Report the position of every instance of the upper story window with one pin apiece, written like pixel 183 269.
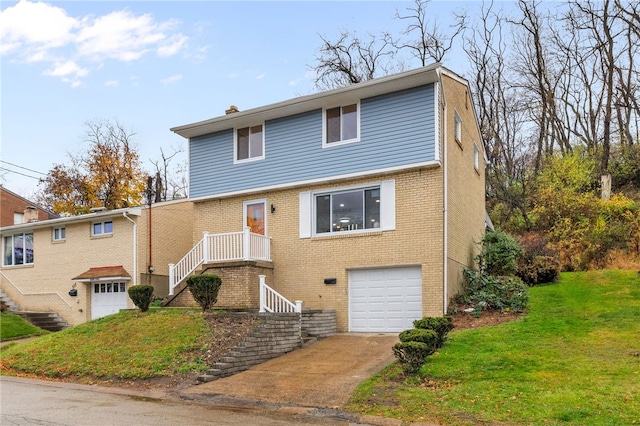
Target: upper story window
pixel 249 143
pixel 341 124
pixel 17 249
pixel 59 234
pixel 18 218
pixel 458 127
pixel 102 228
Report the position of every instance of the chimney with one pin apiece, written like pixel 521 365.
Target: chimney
pixel 231 110
pixel 30 214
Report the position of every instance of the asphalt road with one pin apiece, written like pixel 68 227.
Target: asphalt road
pixel 35 402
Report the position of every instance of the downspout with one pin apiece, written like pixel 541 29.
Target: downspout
pixel 445 200
pixel 135 247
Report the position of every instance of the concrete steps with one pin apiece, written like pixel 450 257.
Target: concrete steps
pixel 50 321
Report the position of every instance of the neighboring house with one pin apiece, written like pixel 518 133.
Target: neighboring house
pixel 367 199
pixel 82 266
pixel 15 209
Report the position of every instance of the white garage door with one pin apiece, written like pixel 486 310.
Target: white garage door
pixel 384 300
pixel 108 298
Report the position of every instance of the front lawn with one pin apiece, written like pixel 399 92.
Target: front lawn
pixel 129 345
pixel 13 326
pixel 573 360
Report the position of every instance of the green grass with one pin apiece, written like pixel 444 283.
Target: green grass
pixel 13 326
pixel 128 345
pixel 573 360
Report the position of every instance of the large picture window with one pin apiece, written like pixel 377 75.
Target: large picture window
pixel 342 124
pixel 249 143
pixel 17 249
pixel 354 210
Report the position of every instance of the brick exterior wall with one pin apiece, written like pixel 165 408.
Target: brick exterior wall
pixel 300 265
pixel 466 185
pixel 11 203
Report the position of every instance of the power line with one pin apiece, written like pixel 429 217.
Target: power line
pixel 24 168
pixel 18 173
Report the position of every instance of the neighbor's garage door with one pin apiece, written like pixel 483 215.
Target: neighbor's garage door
pixel 384 300
pixel 108 298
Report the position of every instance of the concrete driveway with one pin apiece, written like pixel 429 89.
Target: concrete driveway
pixel 323 374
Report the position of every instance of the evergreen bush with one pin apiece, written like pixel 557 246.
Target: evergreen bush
pixel 440 325
pixel 204 289
pixel 413 354
pixel 141 295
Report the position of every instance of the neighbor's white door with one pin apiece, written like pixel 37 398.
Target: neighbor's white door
pixel 108 298
pixel 384 300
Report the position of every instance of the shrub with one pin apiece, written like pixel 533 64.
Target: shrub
pixel 413 354
pixel 204 289
pixel 541 269
pixel 499 254
pixel 490 292
pixel 440 325
pixel 141 295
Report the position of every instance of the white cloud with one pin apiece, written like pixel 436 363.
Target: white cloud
pixel 34 31
pixel 260 76
pixel 171 79
pixel 112 83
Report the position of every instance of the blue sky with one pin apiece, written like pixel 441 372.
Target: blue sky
pixel 153 65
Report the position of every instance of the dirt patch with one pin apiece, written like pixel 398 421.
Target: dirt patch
pixel 466 320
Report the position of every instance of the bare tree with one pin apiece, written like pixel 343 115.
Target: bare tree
pixel 427 41
pixel 170 182
pixel 351 60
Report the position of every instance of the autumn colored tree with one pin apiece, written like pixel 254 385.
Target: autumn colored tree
pixel 108 174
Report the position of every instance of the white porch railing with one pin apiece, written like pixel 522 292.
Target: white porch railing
pixel 272 301
pixel 244 245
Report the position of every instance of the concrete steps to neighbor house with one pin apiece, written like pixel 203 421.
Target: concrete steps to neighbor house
pixel 50 321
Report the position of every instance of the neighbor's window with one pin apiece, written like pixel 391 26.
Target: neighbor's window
pixel 352 210
pixel 59 234
pixel 458 127
pixel 249 143
pixel 102 228
pixel 17 249
pixel 341 124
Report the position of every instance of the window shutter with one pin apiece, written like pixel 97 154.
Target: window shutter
pixel 305 214
pixel 388 207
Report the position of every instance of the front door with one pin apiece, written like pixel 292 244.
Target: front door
pixel 255 216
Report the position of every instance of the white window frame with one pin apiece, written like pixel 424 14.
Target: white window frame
pixel 59 233
pixel 13 245
pixel 325 143
pixel 248 203
pixel 102 231
pixel 457 131
pixel 307 213
pixel 235 145
pixel 18 218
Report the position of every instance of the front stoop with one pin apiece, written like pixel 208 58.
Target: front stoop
pixel 50 321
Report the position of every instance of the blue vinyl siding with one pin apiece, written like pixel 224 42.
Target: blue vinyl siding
pixel 396 129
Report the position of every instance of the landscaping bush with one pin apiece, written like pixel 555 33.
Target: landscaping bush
pixel 539 270
pixel 488 292
pixel 440 325
pixel 141 295
pixel 500 253
pixel 204 289
pixel 413 354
